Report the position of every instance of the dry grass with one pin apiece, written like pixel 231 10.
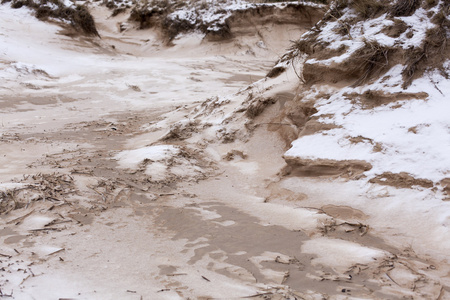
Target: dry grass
pixel 395 30
pixel 404 8
pixel 367 8
pixel 155 14
pixel 257 106
pixel 40 187
pixel 364 8
pixel 430 3
pixel 276 1
pixel 173 27
pixel 158 14
pixel 118 11
pixel 147 17
pixel 275 72
pixel 432 53
pixel 372 59
pixel 79 16
pixel 307 44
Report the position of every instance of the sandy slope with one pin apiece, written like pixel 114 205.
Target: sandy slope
pixel 200 218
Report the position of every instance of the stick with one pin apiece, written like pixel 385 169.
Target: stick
pixel 58 222
pixel 177 274
pixel 43 229
pixel 54 252
pixel 24 279
pixel 391 279
pixel 258 295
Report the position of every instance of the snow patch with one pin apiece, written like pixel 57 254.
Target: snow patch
pixel 339 254
pixel 131 159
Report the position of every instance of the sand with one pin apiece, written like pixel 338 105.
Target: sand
pixel 212 219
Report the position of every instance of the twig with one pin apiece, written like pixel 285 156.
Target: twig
pixel 285 277
pixel 391 279
pixel 177 274
pixel 57 251
pixel 58 222
pixel 259 295
pixel 23 280
pixel 54 199
pixel 269 123
pixel 206 278
pixel 298 75
pixel 103 196
pixel 5 255
pixel 43 229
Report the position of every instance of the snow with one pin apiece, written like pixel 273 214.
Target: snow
pixel 131 159
pixel 414 137
pixel 407 217
pixel 214 15
pixel 419 24
pixel 421 152
pixel 339 254
pixel 411 136
pixel 370 31
pixel 4 187
pixel 36 222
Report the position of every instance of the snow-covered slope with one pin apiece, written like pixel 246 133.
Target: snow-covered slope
pixel 378 79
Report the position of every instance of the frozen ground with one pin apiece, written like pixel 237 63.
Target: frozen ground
pixel 127 174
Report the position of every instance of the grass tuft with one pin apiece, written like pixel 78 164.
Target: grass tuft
pixel 257 106
pixel 403 8
pixel 79 16
pixel 373 58
pixel 431 54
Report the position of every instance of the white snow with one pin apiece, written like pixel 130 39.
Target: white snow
pixel 4 187
pixel 131 159
pixel 36 222
pixel 417 218
pixel 415 137
pixel 420 152
pixel 214 15
pixel 339 254
pixel 411 136
pixel 419 24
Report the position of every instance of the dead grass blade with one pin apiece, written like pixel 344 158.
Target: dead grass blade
pixel 404 8
pixel 374 58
